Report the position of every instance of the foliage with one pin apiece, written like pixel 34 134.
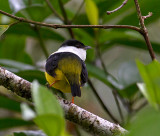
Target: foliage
pixel 92 12
pixel 21 53
pixel 49 115
pixel 145 123
pixel 151 77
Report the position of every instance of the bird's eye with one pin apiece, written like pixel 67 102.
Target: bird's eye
pixel 78 45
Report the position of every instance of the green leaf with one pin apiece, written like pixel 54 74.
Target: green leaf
pixel 129 42
pixel 17 5
pixel 123 90
pixel 145 123
pixel 142 88
pixel 11 48
pixel 151 77
pixel 56 6
pixel 6 104
pixel 5 6
pixel 92 12
pixel 50 116
pixel 28 30
pixel 129 91
pixel 100 75
pixel 105 5
pixel 81 19
pixel 31 75
pixel 26 8
pixel 52 125
pixel 3 28
pixel 16 65
pixel 12 122
pixel 116 17
pixel 29 133
pixel 45 101
pixel 82 35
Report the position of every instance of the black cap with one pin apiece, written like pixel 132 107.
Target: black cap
pixel 75 43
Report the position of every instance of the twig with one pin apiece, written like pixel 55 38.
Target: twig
pixel 79 9
pixel 14 23
pixel 41 42
pixel 147 16
pixel 124 3
pixel 53 10
pixel 141 106
pixel 114 92
pixel 87 120
pixel 66 21
pixel 144 30
pixel 118 104
pixel 56 26
pixel 101 102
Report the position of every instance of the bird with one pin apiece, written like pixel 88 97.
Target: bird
pixel 65 69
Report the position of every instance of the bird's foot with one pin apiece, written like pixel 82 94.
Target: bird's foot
pixel 73 100
pixel 52 84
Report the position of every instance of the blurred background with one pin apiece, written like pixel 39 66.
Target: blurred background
pixel 113 73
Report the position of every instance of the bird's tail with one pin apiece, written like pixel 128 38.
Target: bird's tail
pixel 75 89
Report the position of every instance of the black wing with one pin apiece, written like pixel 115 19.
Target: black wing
pixel 52 64
pixel 84 74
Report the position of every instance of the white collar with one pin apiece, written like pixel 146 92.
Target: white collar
pixel 79 52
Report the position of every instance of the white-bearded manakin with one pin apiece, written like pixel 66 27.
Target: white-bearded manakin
pixel 65 69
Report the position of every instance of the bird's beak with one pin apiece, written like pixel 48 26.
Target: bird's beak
pixel 87 47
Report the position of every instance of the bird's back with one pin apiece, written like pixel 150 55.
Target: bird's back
pixel 65 68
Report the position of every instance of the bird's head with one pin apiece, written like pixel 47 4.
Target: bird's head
pixel 74 46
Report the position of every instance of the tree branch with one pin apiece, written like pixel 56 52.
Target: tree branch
pixel 124 3
pixel 147 16
pixel 87 120
pixel 56 26
pixel 144 29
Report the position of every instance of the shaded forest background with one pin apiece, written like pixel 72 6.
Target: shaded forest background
pixel 112 92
